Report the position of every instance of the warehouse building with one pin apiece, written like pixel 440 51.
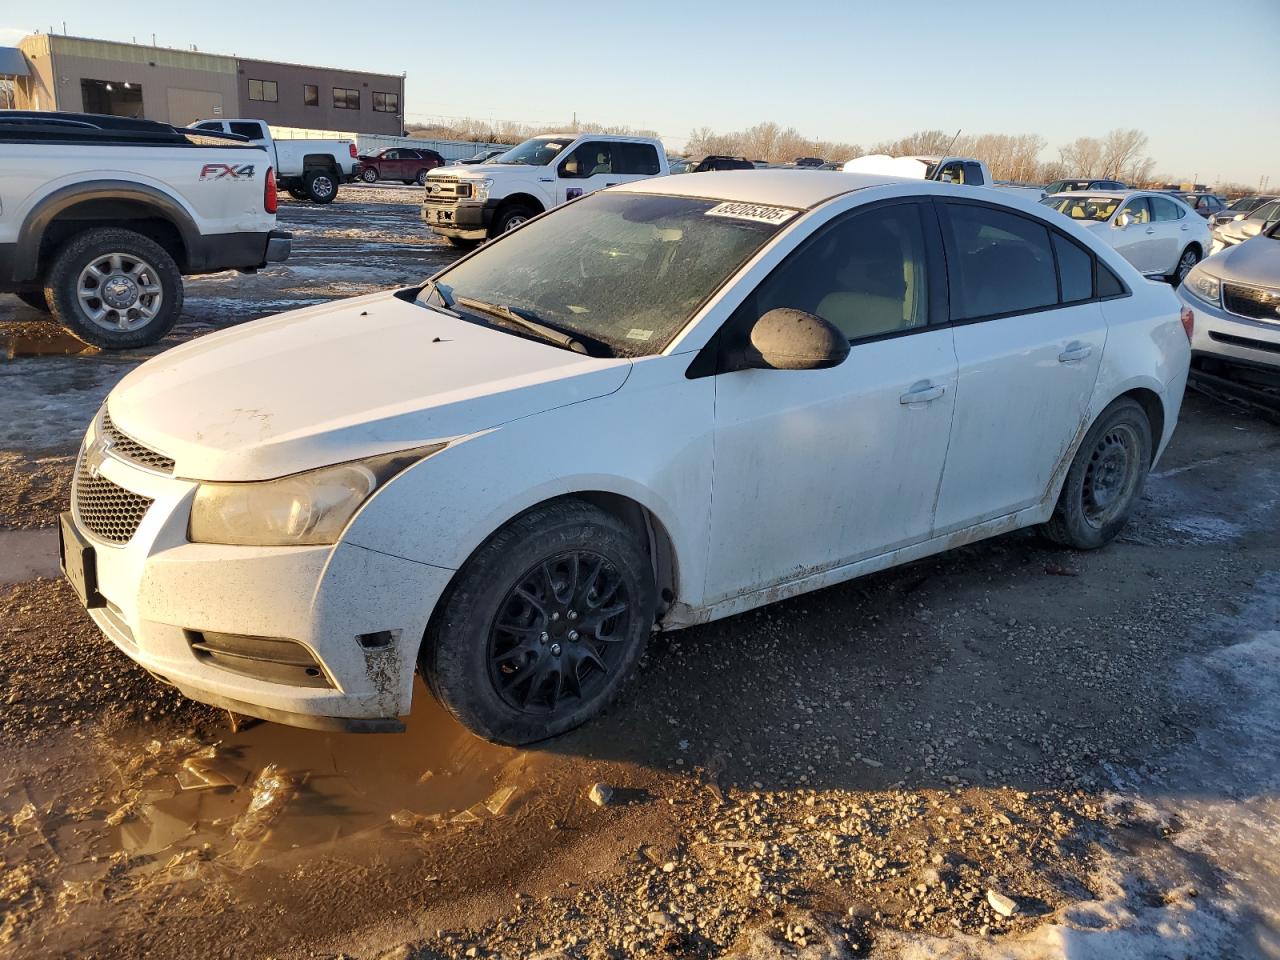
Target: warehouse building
pixel 55 72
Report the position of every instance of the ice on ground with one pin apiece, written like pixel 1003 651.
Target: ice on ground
pixel 47 401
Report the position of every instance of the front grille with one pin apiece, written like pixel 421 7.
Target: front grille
pixel 109 512
pixel 1253 302
pixel 127 448
pixel 446 189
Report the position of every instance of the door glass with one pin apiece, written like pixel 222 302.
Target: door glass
pixel 640 159
pixel 1162 208
pixel 973 175
pixel 866 274
pixel 250 130
pixel 1138 209
pixel 588 159
pixel 998 263
pixel 1075 267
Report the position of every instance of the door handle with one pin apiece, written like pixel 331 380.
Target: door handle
pixel 1185 227
pixel 922 392
pixel 614 184
pixel 1151 229
pixel 1074 351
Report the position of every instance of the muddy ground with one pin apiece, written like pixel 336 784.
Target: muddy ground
pixel 1088 743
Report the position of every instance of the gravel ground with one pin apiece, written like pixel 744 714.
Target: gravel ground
pixel 1009 750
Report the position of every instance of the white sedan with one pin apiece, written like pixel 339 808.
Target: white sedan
pixel 1156 232
pixel 659 405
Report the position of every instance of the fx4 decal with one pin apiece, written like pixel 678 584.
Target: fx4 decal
pixel 221 171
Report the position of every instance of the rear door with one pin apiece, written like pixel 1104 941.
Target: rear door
pixel 1029 335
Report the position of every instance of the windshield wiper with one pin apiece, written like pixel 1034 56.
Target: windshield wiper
pixel 532 325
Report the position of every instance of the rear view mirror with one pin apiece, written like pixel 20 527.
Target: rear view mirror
pixel 786 339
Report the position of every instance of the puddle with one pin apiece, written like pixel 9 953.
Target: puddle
pixel 271 789
pixel 27 554
pixel 56 342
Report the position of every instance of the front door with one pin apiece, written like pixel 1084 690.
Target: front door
pixel 588 167
pixel 1136 242
pixel 816 469
pixel 1028 359
pixel 1172 233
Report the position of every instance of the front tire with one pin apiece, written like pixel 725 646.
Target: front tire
pixel 321 186
pixel 369 175
pixel 1105 479
pixel 421 178
pixel 114 289
pixel 511 217
pixel 542 625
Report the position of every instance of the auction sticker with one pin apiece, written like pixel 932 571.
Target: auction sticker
pixel 752 211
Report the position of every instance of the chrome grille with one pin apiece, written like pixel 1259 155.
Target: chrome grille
pixel 1254 302
pixel 109 512
pixel 445 189
pixel 127 448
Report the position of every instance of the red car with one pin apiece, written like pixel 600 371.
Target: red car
pixel 398 163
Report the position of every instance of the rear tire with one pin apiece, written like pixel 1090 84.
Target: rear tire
pixel 114 289
pixel 321 186
pixel 542 625
pixel 1189 258
pixel 1105 480
pixel 35 299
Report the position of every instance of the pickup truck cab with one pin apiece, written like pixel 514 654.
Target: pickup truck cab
pixel 307 169
pixel 471 205
pixel 101 218
pixel 968 171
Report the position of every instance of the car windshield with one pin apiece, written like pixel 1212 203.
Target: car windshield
pixel 535 152
pixel 1244 204
pixel 624 270
pixel 1265 212
pixel 1083 208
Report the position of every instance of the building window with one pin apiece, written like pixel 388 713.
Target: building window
pixel 262 90
pixel 345 99
pixel 114 98
pixel 310 95
pixel 386 102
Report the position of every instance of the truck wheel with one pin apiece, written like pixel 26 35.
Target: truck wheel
pixel 464 243
pixel 542 626
pixel 321 186
pixel 421 178
pixel 35 299
pixel 511 217
pixel 114 289
pixel 369 175
pixel 1105 479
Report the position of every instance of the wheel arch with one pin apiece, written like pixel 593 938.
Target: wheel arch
pixel 527 199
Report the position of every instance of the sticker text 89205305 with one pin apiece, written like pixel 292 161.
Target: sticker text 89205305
pixel 752 211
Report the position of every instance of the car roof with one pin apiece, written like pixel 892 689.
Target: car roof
pixel 795 187
pixel 1104 194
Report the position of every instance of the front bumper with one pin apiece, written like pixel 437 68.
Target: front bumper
pixel 160 591
pixel 466 219
pixel 1228 337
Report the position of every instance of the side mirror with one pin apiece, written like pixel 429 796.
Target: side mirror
pixel 786 339
pixel 1124 219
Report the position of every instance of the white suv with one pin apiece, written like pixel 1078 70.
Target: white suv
pixel 504 477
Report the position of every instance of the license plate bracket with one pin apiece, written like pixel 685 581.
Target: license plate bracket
pixel 79 562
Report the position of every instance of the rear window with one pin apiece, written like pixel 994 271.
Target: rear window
pixel 999 263
pixel 1075 267
pixel 635 158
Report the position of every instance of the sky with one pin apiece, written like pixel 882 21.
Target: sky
pixel 851 71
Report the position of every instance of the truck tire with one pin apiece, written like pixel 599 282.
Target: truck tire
pixel 321 185
pixel 35 299
pixel 114 288
pixel 510 217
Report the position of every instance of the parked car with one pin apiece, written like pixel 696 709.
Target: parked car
pixel 967 171
pixel 103 216
pixel 471 205
pixel 307 169
pixel 1235 296
pixel 678 165
pixel 1240 208
pixel 1250 225
pixel 484 156
pixel 1082 183
pixel 720 162
pixel 398 163
pixel 513 488
pixel 1154 231
pixel 1205 204
pixel 810 162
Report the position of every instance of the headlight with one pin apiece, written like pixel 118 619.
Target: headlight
pixel 480 189
pixel 1203 286
pixel 306 508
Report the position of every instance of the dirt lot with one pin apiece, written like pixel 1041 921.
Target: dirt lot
pixel 1088 743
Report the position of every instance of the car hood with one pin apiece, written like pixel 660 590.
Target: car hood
pixel 1255 261
pixel 482 171
pixel 342 381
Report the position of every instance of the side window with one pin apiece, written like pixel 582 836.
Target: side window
pixel 866 274
pixel 1075 268
pixel 954 171
pixel 1139 209
pixel 635 158
pixel 210 125
pixel 973 175
pixel 392 155
pixel 1108 284
pixel 310 95
pixel 998 263
pixel 589 159
pixel 250 130
pixel 1162 208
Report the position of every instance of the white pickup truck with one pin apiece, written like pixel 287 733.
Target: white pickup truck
pixel 307 169
pixel 965 170
pixel 101 217
pixel 471 204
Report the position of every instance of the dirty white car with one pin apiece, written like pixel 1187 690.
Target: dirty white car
pixel 658 405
